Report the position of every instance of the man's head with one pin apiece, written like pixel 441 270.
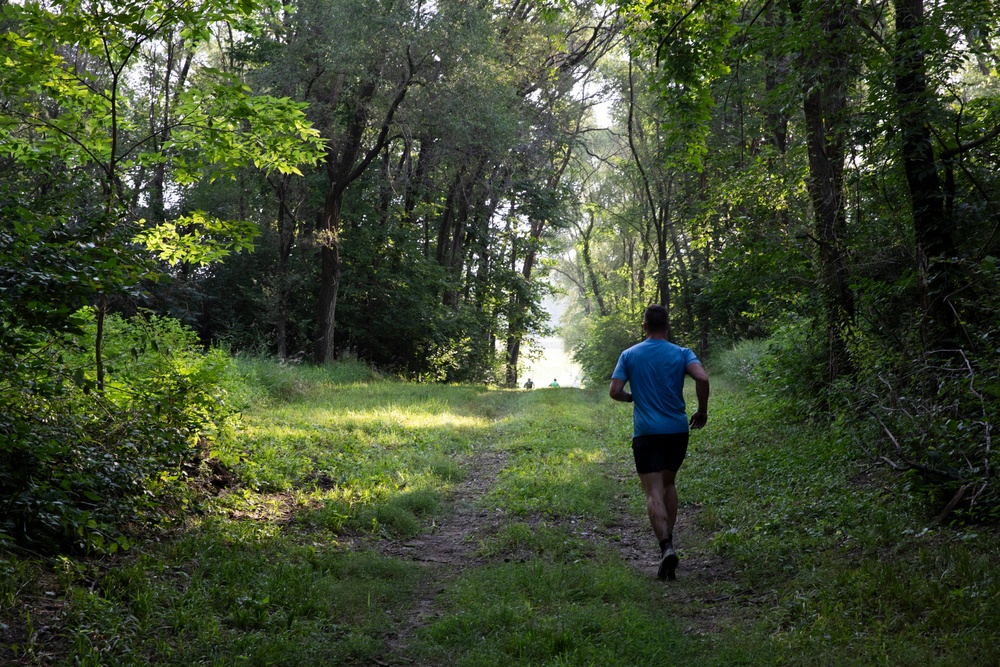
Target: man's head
pixel 655 320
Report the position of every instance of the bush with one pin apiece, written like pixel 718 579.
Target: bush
pixel 81 468
pixel 745 362
pixel 927 395
pixel 788 366
pixel 602 342
pixel 934 414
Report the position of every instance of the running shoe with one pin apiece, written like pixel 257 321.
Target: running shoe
pixel 668 564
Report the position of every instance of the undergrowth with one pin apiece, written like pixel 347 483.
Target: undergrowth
pixel 797 547
pixel 85 468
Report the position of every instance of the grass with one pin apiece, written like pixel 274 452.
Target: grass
pixel 558 453
pixel 221 597
pixel 798 550
pixel 594 612
pixel 851 568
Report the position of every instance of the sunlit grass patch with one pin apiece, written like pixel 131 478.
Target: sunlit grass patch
pixel 395 428
pixel 567 483
pixel 365 450
pixel 558 467
pixel 401 515
pixel 283 442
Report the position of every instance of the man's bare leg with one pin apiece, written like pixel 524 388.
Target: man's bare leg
pixel 670 501
pixel 661 506
pixel 661 501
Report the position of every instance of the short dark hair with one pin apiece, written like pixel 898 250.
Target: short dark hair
pixel 656 319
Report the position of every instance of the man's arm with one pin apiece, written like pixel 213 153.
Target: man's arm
pixel 618 391
pixel 697 371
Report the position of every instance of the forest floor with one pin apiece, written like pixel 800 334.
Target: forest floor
pixel 387 523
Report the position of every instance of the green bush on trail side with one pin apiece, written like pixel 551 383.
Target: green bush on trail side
pixel 599 341
pixel 786 366
pixel 934 415
pixel 80 468
pixel 929 414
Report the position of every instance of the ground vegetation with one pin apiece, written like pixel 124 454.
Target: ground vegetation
pixel 364 520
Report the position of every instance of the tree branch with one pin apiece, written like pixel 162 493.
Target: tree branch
pixel 387 123
pixel 963 148
pixel 663 40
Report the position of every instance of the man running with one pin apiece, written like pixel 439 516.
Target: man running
pixel 655 370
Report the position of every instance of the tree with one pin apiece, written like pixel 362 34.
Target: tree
pixel 826 38
pixel 73 109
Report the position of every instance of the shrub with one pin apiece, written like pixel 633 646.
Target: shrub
pixel 81 468
pixel 603 340
pixel 787 366
pixel 745 362
pixel 927 394
pixel 934 414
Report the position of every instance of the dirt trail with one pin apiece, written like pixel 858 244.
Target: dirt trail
pixel 450 546
pixel 449 540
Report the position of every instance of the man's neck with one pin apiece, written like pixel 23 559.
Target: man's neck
pixel 656 336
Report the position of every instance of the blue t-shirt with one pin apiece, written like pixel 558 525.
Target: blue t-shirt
pixel 655 371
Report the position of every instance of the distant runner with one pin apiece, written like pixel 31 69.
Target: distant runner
pixel 655 370
pixel 529 384
pixel 553 383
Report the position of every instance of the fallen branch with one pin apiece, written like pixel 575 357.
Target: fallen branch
pixel 957 498
pixel 911 464
pixel 895 466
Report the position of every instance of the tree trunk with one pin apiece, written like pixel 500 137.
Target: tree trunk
pixel 660 217
pixel 643 263
pixel 824 102
pixel 326 318
pixel 683 277
pixel 286 235
pixel 932 226
pixel 589 267
pixel 343 168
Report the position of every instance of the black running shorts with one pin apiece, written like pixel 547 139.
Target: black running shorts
pixel 654 453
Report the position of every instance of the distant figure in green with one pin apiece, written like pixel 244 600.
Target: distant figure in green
pixel 655 370
pixel 529 384
pixel 553 383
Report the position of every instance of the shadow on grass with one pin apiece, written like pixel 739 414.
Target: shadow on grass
pixel 231 593
pixel 545 613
